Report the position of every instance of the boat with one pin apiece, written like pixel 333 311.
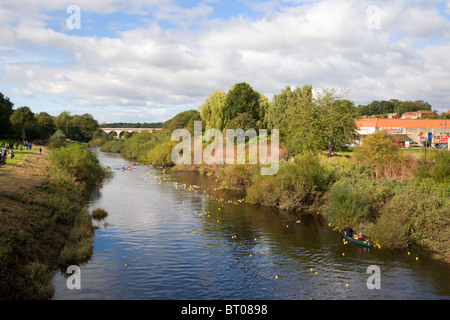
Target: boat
pixel 366 244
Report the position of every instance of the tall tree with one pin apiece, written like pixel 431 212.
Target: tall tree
pixel 22 119
pixel 240 99
pixel 212 111
pixel 87 126
pixel 63 122
pixel 6 110
pixel 317 122
pixel 45 125
pixel 285 105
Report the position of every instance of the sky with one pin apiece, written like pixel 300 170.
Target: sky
pixel 147 60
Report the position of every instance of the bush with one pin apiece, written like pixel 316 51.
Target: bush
pixel 57 140
pixel 138 145
pixel 239 176
pixel 99 214
pixel 114 146
pixel 161 154
pixel 297 184
pixel 379 153
pixel 441 169
pixel 389 232
pixel 78 162
pixel 348 203
pixel 418 211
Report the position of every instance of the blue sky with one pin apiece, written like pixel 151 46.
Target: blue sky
pixel 147 60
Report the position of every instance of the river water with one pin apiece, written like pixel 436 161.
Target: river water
pixel 175 236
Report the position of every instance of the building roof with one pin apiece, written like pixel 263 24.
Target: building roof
pixel 403 123
pixel 425 111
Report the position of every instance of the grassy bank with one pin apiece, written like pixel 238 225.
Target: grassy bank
pixel 44 223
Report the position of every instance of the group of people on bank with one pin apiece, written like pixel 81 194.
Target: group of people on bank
pixel 8 150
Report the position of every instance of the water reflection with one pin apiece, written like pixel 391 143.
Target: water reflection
pixel 182 239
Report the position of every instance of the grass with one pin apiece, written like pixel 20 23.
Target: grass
pixel 18 157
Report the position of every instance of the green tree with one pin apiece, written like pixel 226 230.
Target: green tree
pixel 377 149
pixel 6 110
pixel 70 125
pixel 63 123
pixel 86 124
pixel 286 104
pixel 212 111
pixel 339 118
pixel 242 98
pixel 311 124
pixel 45 125
pixel 242 121
pixel 182 120
pixel 22 119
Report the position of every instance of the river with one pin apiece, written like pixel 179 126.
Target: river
pixel 176 237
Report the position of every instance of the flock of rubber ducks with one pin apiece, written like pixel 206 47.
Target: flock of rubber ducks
pixel 166 178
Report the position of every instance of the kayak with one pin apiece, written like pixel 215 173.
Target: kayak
pixel 356 241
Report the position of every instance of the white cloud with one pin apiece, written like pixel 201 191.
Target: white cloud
pixel 151 68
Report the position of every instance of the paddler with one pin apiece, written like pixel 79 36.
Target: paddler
pixel 348 231
pixel 361 236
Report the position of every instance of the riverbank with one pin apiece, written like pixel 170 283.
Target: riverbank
pixel 44 224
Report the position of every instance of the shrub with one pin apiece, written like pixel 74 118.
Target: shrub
pixel 161 154
pixel 137 146
pixel 418 212
pixel 262 191
pixel 57 140
pixel 113 146
pixel 99 214
pixel 78 162
pixel 296 185
pixel 389 232
pixel 381 156
pixel 238 177
pixel 441 169
pixel 348 204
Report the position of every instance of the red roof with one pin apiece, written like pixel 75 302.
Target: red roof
pixel 403 123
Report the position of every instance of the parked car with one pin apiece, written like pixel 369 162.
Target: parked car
pixel 400 143
pixel 413 144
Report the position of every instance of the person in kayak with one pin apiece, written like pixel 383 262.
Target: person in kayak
pixel 361 236
pixel 348 231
